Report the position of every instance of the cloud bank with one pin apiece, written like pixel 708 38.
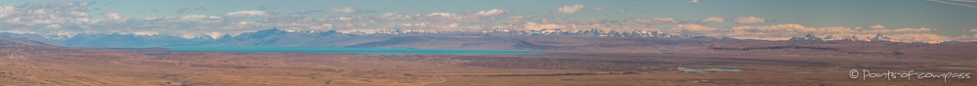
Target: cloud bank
pixel 348 10
pixel 877 27
pixel 713 19
pixel 749 20
pixel 570 9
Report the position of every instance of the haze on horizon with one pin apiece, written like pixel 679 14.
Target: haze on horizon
pixel 915 20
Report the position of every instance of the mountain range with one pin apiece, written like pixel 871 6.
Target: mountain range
pixel 382 38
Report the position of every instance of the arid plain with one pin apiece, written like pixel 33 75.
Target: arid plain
pixel 564 61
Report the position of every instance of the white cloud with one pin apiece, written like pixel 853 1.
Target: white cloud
pixel 445 21
pixel 112 16
pixel 570 8
pixel 442 26
pixel 653 21
pixel 597 8
pixel 749 20
pixel 7 11
pixel 694 1
pixel 785 31
pixel 693 29
pixel 202 18
pixel 517 19
pixel 973 30
pixel 900 30
pixel 441 14
pixel 348 10
pixel 395 16
pixel 44 14
pixel 343 10
pixel 69 18
pixel 78 14
pixel 492 12
pixel 877 27
pixel 485 16
pixel 791 29
pixel 622 10
pixel 714 19
pixel 53 26
pixel 796 29
pixel 585 24
pixel 246 13
pixel 926 38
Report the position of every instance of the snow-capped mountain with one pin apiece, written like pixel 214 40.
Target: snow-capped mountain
pixel 281 37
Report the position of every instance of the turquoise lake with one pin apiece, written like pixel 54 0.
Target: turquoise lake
pixel 258 49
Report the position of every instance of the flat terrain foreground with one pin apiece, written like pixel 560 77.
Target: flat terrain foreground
pixel 720 64
pixel 228 69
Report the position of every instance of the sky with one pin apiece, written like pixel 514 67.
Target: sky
pixel 917 20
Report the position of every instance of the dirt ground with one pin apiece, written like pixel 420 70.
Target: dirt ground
pixel 776 64
pixel 306 69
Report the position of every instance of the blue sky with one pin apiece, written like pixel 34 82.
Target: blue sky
pixel 949 18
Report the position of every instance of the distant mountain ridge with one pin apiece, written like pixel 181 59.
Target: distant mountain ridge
pixel 7 42
pixel 280 37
